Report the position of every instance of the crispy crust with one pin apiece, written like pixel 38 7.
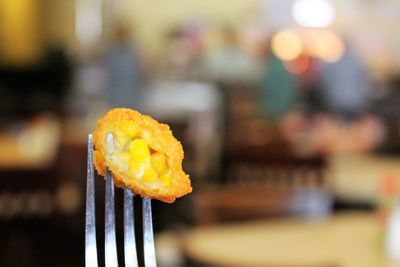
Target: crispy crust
pixel 161 140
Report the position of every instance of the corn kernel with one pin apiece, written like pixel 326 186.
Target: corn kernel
pixel 140 152
pixel 166 180
pixel 149 175
pixel 129 128
pixel 159 162
pixel 125 131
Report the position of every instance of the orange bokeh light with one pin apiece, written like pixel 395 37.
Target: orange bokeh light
pixel 298 65
pixel 286 45
pixel 328 46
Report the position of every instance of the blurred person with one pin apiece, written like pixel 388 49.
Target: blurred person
pixel 309 81
pixel 182 59
pixel 279 88
pixel 88 98
pixel 235 72
pixel 124 71
pixel 230 64
pixel 345 86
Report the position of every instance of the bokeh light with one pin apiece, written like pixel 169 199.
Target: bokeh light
pixel 286 45
pixel 298 65
pixel 313 13
pixel 328 46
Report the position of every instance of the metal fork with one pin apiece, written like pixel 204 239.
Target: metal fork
pixel 129 232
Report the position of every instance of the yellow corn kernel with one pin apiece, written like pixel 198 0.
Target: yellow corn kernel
pixel 149 175
pixel 139 154
pixel 159 162
pixel 126 131
pixel 129 128
pixel 166 180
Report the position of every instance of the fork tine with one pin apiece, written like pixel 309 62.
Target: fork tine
pixel 148 239
pixel 90 224
pixel 111 259
pixel 129 230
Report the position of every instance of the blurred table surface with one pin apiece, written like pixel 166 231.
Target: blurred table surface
pixel 358 177
pixel 345 240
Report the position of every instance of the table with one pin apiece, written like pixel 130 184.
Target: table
pixel 347 240
pixel 358 177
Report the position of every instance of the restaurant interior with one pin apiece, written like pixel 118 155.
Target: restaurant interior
pixel 288 112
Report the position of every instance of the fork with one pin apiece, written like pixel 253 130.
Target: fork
pixel 110 246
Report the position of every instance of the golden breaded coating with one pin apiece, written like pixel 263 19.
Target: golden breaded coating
pixel 141 153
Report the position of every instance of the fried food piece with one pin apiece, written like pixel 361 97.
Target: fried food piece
pixel 141 154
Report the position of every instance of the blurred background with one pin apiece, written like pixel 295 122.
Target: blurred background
pixel 288 111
